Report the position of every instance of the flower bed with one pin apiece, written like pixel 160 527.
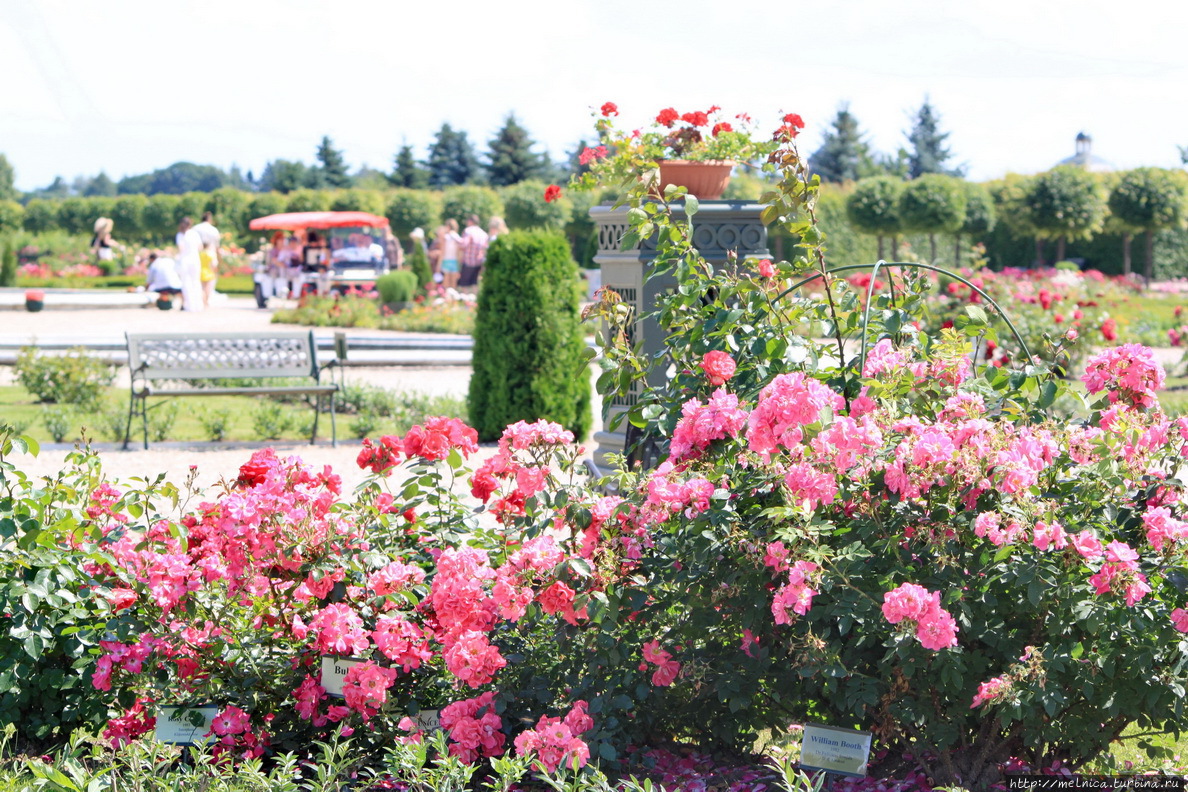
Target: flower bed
pixel 432 315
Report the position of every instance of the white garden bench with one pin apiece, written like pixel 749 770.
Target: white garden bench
pixel 168 365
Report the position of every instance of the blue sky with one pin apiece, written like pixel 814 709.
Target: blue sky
pixel 128 86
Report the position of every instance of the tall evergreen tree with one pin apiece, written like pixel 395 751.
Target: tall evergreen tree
pixel 451 159
pixel 927 153
pixel 407 172
pixel 510 157
pixel 332 165
pixel 843 155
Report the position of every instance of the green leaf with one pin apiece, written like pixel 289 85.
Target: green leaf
pixel 976 313
pixel 692 205
pixel 34 646
pixel 1047 395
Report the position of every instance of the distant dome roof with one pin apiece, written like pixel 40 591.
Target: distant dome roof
pixel 1085 158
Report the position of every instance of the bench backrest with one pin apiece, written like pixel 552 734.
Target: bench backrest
pixel 222 355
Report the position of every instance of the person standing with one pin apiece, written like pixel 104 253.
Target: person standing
pixel 393 252
pixel 208 257
pixel 451 247
pixel 474 252
pixel 189 264
pixel 102 244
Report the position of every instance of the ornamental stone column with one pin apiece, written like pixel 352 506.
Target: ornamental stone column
pixel 718 228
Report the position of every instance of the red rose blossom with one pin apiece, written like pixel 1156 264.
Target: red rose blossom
pixel 667 117
pixel 255 470
pixel 610 109
pixel 766 268
pixel 552 193
pixel 718 367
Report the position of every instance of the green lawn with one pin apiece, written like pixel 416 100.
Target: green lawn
pixel 107 424
pixel 363 411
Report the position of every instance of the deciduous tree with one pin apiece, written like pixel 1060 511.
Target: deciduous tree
pixel 873 208
pixel 1147 200
pixel 932 204
pixel 1065 203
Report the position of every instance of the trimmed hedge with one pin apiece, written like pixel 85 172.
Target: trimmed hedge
pixel 529 353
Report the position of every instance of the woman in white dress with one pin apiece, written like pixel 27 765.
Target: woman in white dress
pixel 189 245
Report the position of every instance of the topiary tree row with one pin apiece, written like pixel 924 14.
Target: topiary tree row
pixel 1066 204
pixel 529 354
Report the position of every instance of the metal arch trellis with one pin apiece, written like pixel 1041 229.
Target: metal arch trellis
pixel 870 294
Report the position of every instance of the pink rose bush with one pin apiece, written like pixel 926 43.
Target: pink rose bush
pixel 881 524
pixel 247 594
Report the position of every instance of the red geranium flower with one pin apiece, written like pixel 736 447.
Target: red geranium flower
pixel 722 127
pixel 610 109
pixel 668 117
pixel 552 193
pixel 697 119
pixel 794 120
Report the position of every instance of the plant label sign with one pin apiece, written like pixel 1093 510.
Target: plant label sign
pixel 427 721
pixel 334 671
pixel 185 725
pixel 842 751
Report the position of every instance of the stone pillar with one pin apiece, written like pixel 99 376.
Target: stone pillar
pixel 718 227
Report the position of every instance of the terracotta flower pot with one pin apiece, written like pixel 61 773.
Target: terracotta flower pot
pixel 705 180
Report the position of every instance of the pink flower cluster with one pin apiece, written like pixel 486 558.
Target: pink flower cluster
pixel 669 495
pixel 667 668
pixel 1119 574
pixel 474 728
pixel 555 741
pixel 365 687
pixel 787 403
pixel 797 594
pixel 1129 373
pixel 701 424
pixel 935 627
pixel 521 461
pixel 133 723
pixel 1163 530
pixel 439 436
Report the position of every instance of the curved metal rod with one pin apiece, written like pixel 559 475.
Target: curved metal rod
pixel 870 292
